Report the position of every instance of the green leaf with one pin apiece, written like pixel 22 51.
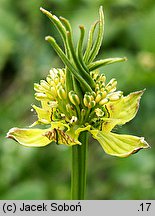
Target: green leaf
pixel 120 145
pixel 122 111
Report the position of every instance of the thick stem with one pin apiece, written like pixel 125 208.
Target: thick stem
pixel 78 175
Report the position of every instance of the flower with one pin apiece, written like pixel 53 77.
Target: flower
pixel 67 116
pixel 77 98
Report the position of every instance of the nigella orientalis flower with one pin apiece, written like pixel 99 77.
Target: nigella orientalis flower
pixel 78 98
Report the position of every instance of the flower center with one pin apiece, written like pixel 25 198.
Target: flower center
pixel 72 108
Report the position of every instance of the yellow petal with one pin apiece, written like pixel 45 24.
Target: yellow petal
pixel 121 111
pixel 59 132
pixel 30 137
pixel 74 133
pixel 119 145
pixel 44 115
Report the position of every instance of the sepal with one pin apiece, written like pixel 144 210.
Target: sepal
pixel 120 145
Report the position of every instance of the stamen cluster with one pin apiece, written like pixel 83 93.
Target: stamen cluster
pixel 70 108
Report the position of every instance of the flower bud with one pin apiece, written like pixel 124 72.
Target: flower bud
pixel 54 92
pixel 98 97
pixel 102 78
pixel 93 94
pixel 91 104
pixel 86 100
pixel 94 75
pixel 104 93
pixel 61 92
pixel 74 98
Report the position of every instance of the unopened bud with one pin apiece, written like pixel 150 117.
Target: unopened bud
pixel 93 94
pixel 95 74
pixel 104 94
pixel 74 98
pixel 86 100
pixel 98 97
pixel 89 97
pixel 101 95
pixel 102 78
pixel 91 104
pixel 61 93
pixel 54 92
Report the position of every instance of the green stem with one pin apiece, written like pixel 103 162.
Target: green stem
pixel 78 175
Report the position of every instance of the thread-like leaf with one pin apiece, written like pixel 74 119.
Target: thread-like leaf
pixel 65 60
pixel 99 39
pixel 90 41
pixel 97 64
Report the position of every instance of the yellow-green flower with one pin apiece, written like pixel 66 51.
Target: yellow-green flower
pixel 77 98
pixel 66 116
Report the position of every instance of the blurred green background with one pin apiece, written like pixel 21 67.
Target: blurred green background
pixel 25 58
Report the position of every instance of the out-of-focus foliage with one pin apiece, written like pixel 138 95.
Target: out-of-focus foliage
pixel 25 58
